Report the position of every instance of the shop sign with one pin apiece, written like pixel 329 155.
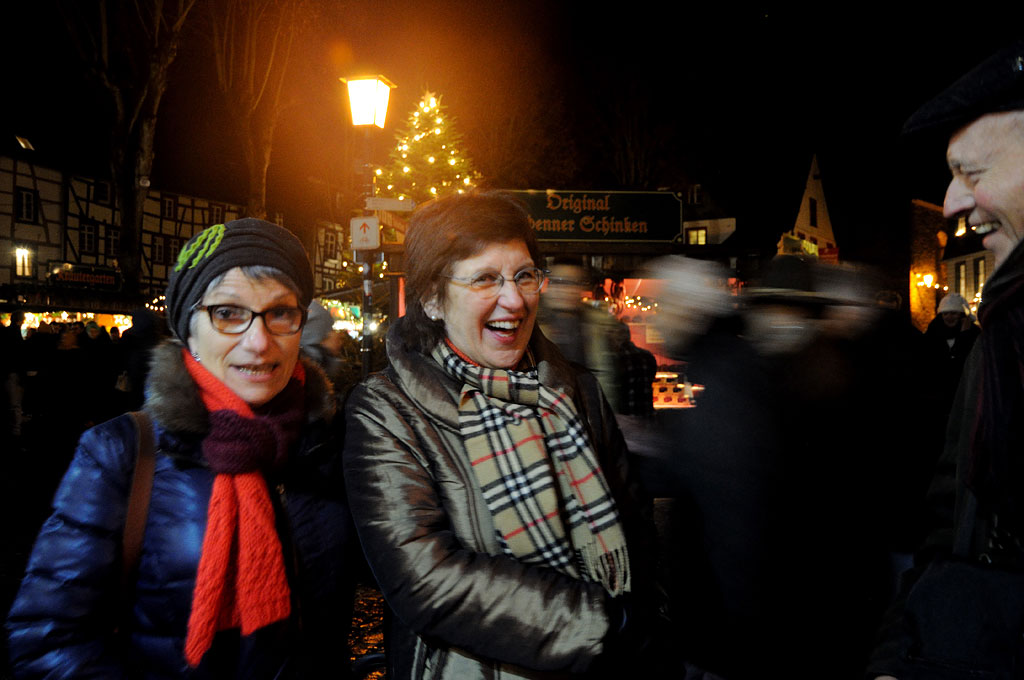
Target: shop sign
pixel 83 276
pixel 604 216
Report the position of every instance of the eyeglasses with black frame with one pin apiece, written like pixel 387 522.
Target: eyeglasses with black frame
pixel 529 281
pixel 234 320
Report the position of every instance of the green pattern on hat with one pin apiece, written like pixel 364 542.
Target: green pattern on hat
pixel 203 246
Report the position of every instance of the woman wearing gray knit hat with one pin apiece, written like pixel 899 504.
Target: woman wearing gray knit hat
pixel 247 529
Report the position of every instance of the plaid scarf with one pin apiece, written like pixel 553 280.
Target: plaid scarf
pixel 539 476
pixel 241 580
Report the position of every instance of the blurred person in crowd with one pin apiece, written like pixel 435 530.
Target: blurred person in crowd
pixel 134 352
pixel 582 332
pixel 459 460
pixel 637 368
pixel 99 373
pixel 242 572
pixel 12 374
pixel 40 349
pixel 322 344
pixel 951 336
pixel 771 480
pixel 961 611
pixel 67 394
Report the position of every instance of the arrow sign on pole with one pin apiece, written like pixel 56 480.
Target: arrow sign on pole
pixel 365 232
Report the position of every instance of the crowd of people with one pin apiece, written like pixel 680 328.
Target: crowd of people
pixel 63 378
pixel 844 502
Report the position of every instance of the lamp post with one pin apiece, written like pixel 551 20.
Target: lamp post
pixel 368 98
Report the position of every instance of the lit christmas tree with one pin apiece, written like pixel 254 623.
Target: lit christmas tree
pixel 428 160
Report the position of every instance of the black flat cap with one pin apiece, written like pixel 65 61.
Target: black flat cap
pixel 993 86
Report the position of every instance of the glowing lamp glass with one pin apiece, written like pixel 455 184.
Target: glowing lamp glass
pixel 368 98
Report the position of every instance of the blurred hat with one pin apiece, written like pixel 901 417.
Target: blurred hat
pixel 696 284
pixel 954 302
pixel 92 324
pixel 318 325
pixel 788 279
pixel 993 86
pixel 217 249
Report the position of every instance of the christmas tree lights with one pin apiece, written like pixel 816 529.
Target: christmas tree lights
pixel 428 160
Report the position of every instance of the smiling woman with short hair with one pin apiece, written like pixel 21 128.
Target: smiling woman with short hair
pixel 487 475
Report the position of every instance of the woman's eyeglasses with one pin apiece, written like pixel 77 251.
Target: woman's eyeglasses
pixel 529 281
pixel 232 319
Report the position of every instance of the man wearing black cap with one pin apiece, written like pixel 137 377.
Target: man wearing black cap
pixel 961 611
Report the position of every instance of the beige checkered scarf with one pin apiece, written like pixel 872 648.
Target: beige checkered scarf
pixel 529 451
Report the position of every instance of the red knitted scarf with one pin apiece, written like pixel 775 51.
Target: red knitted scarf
pixel 241 581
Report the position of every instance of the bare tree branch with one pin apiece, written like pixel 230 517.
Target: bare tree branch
pixel 252 43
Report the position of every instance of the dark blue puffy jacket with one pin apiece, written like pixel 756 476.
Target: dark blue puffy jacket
pixel 62 621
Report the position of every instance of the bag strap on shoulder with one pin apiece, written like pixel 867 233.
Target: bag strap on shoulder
pixel 138 499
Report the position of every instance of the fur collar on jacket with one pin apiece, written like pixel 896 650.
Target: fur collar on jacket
pixel 173 398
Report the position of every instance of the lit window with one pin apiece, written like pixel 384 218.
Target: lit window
pixel 22 262
pixel 697 237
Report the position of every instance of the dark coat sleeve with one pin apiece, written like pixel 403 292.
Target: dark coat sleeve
pixel 949 513
pixel 61 624
pixel 492 606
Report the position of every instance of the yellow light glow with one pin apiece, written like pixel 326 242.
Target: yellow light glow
pixel 928 279
pixel 368 99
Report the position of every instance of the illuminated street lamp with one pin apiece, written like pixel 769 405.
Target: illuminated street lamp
pixel 368 100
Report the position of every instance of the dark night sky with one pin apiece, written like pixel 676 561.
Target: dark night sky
pixel 737 97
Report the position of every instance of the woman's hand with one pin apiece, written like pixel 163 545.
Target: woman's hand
pixel 417 517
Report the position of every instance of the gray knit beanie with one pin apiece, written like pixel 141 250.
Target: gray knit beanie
pixel 239 243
